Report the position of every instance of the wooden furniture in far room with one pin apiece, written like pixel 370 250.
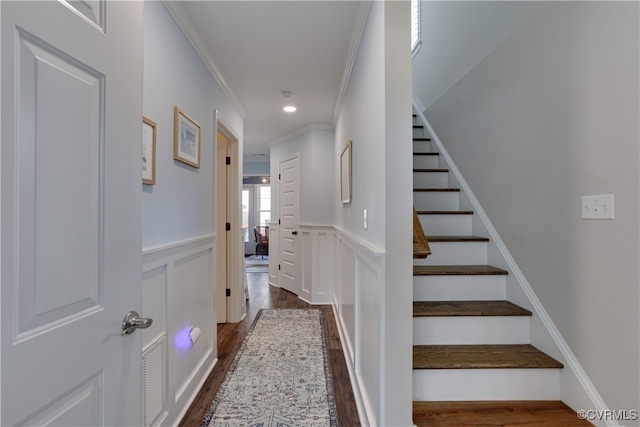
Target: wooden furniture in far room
pixel 261 234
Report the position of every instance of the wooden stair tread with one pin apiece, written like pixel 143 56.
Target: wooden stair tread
pixel 422 139
pixel 418 126
pixel 457 239
pixel 457 270
pixel 467 308
pixel 494 356
pixel 431 170
pixel 521 413
pixel 422 153
pixel 445 212
pixel 445 190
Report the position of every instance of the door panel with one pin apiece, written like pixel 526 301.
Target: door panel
pixel 67 100
pixel 289 220
pixel 92 11
pixel 75 408
pixel 70 219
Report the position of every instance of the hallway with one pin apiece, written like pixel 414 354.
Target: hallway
pixel 231 335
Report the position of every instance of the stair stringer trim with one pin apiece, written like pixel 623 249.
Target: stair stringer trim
pixel 576 389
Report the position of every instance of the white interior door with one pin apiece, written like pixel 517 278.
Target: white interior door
pixel 290 222
pixel 71 204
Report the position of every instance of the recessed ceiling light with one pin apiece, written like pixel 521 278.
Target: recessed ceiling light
pixel 289 108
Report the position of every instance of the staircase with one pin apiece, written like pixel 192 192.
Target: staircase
pixel 471 350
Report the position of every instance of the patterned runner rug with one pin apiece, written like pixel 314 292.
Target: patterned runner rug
pixel 280 376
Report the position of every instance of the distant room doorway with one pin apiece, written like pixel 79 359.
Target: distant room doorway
pixel 256 215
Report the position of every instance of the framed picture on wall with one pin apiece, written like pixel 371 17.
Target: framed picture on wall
pixel 186 138
pixel 148 151
pixel 345 174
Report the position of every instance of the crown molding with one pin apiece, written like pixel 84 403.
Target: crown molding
pixel 308 128
pixel 358 28
pixel 183 21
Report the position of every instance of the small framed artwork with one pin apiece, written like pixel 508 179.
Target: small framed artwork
pixel 148 151
pixel 345 174
pixel 186 138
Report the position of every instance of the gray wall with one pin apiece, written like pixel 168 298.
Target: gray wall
pixel 456 36
pixel 180 205
pixel 548 116
pixel 256 168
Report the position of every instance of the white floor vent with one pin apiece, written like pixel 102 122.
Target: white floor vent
pixel 154 383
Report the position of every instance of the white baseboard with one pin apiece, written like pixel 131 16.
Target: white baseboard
pixel 360 406
pixel 197 389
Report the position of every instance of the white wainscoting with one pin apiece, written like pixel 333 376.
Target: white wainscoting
pixel 178 291
pixel 317 263
pixel 315 258
pixel 357 302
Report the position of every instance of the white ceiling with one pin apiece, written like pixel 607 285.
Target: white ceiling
pixel 260 48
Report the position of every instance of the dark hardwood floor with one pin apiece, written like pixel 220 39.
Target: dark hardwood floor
pixel 231 335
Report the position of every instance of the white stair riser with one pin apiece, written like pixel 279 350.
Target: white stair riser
pixel 422 146
pixel 455 253
pixel 418 133
pixel 430 179
pixel 486 384
pixel 471 330
pixel 459 288
pixel 425 162
pixel 436 200
pixel 446 225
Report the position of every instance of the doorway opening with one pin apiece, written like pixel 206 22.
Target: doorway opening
pixel 256 214
pixel 229 277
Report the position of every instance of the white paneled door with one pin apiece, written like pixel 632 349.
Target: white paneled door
pixel 290 276
pixel 71 111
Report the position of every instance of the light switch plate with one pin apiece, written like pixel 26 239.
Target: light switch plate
pixel 597 207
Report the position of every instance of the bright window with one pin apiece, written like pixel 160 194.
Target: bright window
pixel 245 215
pixel 264 203
pixel 416 40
